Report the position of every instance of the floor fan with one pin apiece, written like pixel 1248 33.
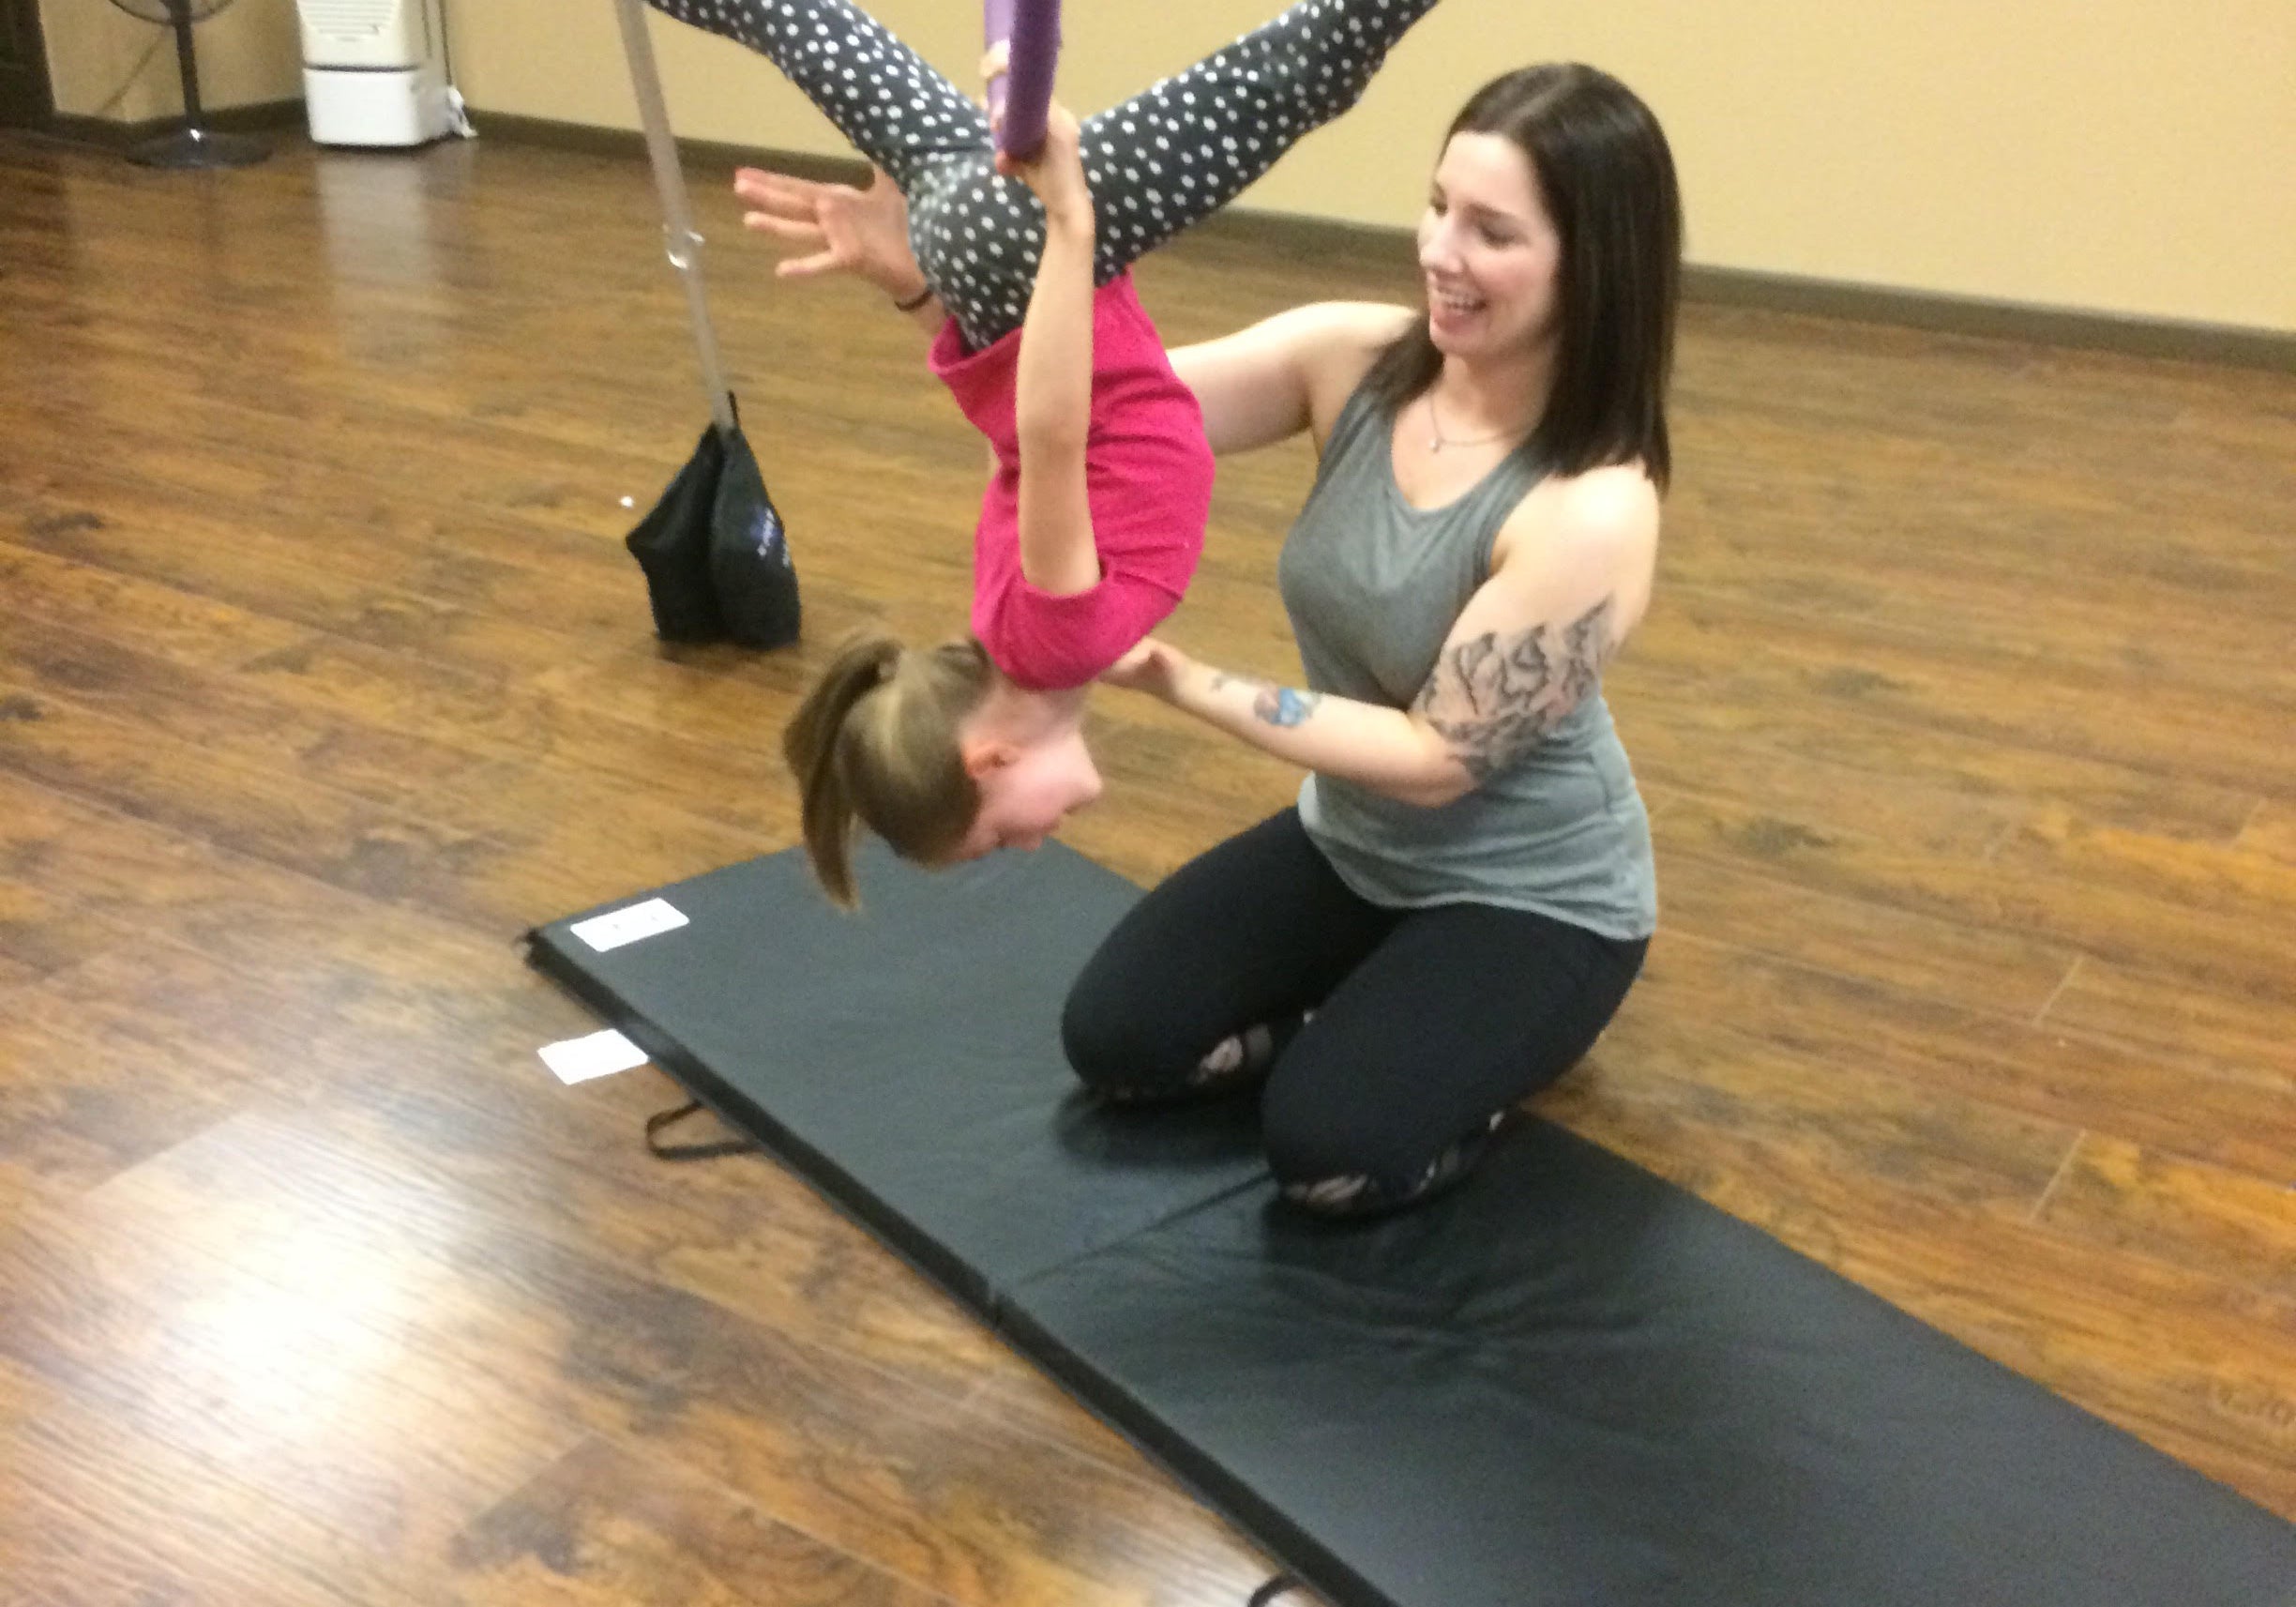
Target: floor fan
pixel 194 145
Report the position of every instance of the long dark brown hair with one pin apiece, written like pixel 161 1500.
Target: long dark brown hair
pixel 1607 177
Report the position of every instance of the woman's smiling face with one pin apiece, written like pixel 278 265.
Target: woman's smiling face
pixel 1490 254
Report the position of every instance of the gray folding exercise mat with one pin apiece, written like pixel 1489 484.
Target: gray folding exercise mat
pixel 1568 1382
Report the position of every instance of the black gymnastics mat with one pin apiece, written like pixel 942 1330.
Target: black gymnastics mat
pixel 1568 1382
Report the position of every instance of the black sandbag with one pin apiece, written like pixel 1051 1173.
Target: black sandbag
pixel 715 554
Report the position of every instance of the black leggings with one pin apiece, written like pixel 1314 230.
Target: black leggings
pixel 1166 158
pixel 1426 1023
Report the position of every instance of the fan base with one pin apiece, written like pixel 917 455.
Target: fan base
pixel 197 147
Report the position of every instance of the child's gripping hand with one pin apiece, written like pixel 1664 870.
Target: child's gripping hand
pixel 1056 171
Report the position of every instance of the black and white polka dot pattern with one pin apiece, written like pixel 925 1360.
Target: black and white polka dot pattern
pixel 1171 154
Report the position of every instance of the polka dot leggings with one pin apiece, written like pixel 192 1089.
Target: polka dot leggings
pixel 1176 153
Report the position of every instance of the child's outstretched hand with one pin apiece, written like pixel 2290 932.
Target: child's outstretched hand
pixel 1056 171
pixel 861 232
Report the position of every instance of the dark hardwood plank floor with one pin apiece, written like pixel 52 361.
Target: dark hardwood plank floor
pixel 1965 711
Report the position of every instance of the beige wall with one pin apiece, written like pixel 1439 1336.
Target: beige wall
pixel 2113 156
pixel 247 54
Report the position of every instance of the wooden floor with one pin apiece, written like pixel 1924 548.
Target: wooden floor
pixel 1967 711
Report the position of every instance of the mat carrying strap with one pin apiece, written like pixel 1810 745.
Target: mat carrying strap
pixel 710 1150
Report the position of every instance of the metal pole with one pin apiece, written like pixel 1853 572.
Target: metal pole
pixel 684 245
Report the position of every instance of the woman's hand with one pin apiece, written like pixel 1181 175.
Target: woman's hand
pixel 861 232
pixel 1152 666
pixel 1386 749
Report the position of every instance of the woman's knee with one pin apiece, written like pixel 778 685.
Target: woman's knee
pixel 1116 1039
pixel 1124 1049
pixel 1315 1156
pixel 1364 1162
pixel 1097 1036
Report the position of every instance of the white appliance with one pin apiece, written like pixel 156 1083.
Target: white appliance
pixel 374 72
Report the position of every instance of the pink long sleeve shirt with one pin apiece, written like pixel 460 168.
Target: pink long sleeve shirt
pixel 1148 480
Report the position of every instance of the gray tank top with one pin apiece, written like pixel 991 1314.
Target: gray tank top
pixel 1373 586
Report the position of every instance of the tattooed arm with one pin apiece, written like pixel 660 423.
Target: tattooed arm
pixel 1568 580
pixel 1494 697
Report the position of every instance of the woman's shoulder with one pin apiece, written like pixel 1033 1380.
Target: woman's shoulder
pixel 1337 343
pixel 1376 324
pixel 1601 524
pixel 1292 372
pixel 1614 506
pixel 1350 332
pixel 1334 336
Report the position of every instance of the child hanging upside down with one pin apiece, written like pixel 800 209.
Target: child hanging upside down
pixel 1093 522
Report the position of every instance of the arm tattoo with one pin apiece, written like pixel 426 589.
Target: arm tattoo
pixel 1275 704
pixel 1495 698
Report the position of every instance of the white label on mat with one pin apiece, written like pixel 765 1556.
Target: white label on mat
pixel 604 932
pixel 579 1059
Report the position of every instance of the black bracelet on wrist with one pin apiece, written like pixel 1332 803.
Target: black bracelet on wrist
pixel 919 299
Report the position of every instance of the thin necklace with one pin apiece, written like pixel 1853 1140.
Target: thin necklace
pixel 1437 440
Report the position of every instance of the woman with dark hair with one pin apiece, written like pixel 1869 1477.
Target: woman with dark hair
pixel 1463 893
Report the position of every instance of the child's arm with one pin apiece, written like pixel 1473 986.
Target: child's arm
pixel 1053 383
